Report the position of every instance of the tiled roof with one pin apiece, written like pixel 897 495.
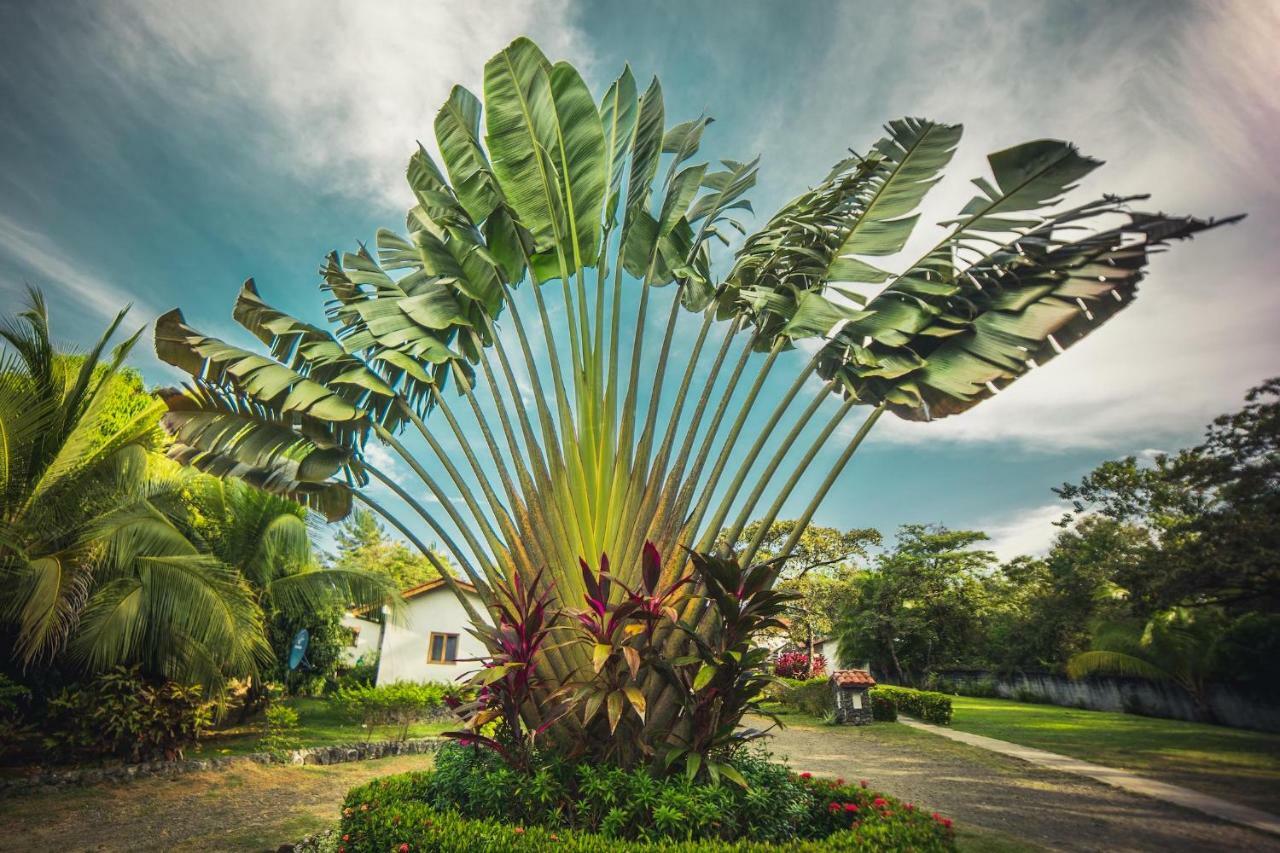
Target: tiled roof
pixel 432 586
pixel 853 678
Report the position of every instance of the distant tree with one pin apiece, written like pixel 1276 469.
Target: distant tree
pixel 364 545
pixel 1208 513
pixel 920 606
pixel 821 569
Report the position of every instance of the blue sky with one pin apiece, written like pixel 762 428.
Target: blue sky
pixel 161 152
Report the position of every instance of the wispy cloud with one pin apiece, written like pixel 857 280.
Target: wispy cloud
pixel 336 89
pixel 52 268
pixel 1029 531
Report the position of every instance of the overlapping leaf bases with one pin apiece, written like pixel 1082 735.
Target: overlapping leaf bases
pixel 603 219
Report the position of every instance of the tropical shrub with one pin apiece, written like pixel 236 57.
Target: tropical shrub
pixel 810 696
pixel 552 218
pixel 362 674
pixel 279 730
pixel 125 714
pixel 798 665
pixel 713 688
pixel 606 808
pixel 400 704
pixel 15 730
pixel 923 704
pixel 883 710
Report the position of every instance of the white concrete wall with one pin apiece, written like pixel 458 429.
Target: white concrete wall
pixel 366 644
pixel 404 648
pixel 830 650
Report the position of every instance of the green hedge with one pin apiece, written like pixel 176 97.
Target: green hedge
pixel 809 696
pixel 925 705
pixel 882 708
pixel 396 814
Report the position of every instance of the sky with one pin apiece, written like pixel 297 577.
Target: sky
pixel 158 153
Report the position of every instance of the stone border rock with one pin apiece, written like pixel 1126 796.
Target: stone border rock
pixel 335 754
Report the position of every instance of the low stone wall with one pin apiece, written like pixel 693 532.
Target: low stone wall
pixel 337 754
pixel 1129 695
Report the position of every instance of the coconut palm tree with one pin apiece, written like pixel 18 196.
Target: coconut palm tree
pixel 549 237
pixel 88 561
pixel 1176 646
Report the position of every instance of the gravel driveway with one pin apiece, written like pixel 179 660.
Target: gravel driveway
pixel 1053 810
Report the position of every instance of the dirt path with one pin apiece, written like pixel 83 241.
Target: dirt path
pixel 249 808
pixel 1005 795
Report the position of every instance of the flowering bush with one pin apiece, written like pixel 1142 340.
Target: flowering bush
pixel 798 665
pixel 598 808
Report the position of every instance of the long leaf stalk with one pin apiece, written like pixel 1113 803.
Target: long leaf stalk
pixel 532 189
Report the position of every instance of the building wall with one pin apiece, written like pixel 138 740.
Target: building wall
pixel 830 651
pixel 366 644
pixel 404 646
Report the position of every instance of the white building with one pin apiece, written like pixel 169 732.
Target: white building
pixel 364 644
pixel 431 643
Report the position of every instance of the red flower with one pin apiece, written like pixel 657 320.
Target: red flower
pixel 880 802
pixel 342 850
pixel 839 781
pixel 833 807
pixel 910 807
pixel 851 807
pixel 519 830
pixel 404 848
pixel 946 821
pixel 806 775
pixel 346 838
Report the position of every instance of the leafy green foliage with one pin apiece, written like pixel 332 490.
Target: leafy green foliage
pixel 923 704
pixel 883 708
pixel 811 696
pixel 820 568
pixel 603 808
pixel 125 714
pixel 1205 515
pixel 915 610
pixel 326 646
pixel 95 563
pixel 279 730
pixel 400 704
pixel 530 198
pixel 363 545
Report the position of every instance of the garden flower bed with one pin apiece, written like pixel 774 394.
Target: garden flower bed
pixel 472 802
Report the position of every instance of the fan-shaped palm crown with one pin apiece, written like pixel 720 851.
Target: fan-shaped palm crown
pixel 547 235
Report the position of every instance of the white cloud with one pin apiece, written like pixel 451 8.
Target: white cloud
pixel 338 89
pixel 1028 531
pixel 53 270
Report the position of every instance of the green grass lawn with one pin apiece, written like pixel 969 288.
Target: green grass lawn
pixel 1234 764
pixel 321 724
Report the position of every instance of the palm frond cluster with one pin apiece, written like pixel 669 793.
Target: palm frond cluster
pixel 550 234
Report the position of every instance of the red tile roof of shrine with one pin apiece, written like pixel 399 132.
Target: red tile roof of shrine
pixel 853 678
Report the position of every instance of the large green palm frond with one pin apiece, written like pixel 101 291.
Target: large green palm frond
pixel 550 325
